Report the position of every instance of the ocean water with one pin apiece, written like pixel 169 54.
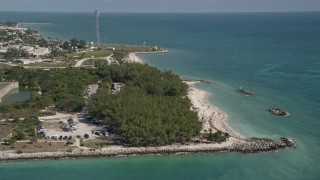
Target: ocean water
pixel 275 55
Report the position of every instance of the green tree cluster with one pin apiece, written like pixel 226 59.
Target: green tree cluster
pixel 152 108
pixel 150 79
pixel 74 43
pixel 61 87
pixel 119 55
pixel 218 136
pixel 14 53
pixel 23 129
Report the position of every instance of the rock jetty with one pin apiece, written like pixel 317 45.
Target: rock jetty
pixel 278 112
pixel 245 92
pixel 199 81
pixel 256 146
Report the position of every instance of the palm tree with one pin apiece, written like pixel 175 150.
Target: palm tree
pixel 210 138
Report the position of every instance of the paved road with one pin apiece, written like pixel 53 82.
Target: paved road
pixel 79 63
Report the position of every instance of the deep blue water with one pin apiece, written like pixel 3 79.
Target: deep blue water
pixel 275 55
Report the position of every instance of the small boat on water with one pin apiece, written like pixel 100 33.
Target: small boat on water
pixel 278 112
pixel 245 92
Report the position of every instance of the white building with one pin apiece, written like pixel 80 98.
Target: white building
pixel 29 49
pixel 41 51
pixel 29 61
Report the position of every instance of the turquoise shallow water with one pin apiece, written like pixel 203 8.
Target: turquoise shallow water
pixel 275 55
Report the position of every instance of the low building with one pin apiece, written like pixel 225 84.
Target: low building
pixel 65 127
pixel 3 49
pixel 40 51
pixel 111 48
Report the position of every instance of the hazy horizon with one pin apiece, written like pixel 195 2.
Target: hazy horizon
pixel 116 12
pixel 163 6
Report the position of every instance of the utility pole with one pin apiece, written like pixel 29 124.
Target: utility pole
pixel 97 28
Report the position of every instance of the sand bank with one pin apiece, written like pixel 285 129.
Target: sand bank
pixel 134 58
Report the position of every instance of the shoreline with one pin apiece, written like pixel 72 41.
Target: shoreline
pixel 213 118
pixel 134 58
pixel 210 116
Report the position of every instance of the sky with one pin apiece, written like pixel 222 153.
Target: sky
pixel 160 5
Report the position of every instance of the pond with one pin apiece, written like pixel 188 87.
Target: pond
pixel 16 95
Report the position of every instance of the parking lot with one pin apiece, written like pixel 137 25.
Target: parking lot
pixel 53 126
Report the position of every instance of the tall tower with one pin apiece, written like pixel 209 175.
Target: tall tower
pixel 97 27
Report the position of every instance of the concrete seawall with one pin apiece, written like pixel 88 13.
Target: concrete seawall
pixel 6 87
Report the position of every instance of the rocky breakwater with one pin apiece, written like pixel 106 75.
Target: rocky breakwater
pixel 255 146
pixel 245 92
pixel 278 112
pixel 244 146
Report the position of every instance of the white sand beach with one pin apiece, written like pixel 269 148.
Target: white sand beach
pixel 134 58
pixel 211 116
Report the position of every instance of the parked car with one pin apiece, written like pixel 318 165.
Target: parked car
pixel 55 137
pixel 69 142
pixel 86 136
pixel 97 133
pixel 70 121
pixel 105 133
pixel 73 129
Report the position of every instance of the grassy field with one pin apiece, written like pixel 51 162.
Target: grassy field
pixel 28 147
pixel 95 53
pixel 97 143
